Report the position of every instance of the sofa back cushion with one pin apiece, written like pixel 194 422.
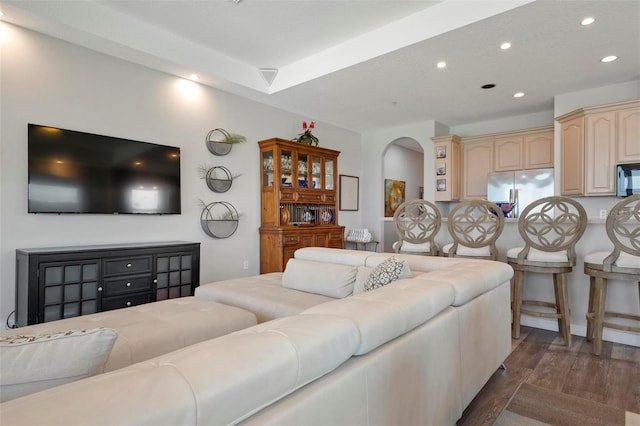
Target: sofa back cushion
pixel 34 362
pixel 327 279
pixel 333 255
pixel 389 312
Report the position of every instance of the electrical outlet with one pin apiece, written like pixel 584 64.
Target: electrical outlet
pixel 603 214
pixel 245 264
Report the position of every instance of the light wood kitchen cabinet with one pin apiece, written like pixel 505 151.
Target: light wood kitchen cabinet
pixel 477 163
pixel 508 154
pixel 572 147
pixel 447 167
pixel 298 201
pixel 528 149
pixel 538 149
pixel 593 141
pixel 500 152
pixel 629 135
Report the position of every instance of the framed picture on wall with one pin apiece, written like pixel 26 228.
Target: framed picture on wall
pixel 349 193
pixel 441 169
pixel 441 185
pixel 441 151
pixel 393 195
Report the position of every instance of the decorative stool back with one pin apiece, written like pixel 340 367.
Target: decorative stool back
pixel 417 223
pixel 623 263
pixel 550 228
pixel 474 229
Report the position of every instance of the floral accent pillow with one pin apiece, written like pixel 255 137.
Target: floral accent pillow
pixel 388 271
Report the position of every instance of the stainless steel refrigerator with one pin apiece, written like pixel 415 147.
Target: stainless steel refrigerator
pixel 521 186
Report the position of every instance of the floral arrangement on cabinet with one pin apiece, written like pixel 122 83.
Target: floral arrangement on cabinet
pixel 306 137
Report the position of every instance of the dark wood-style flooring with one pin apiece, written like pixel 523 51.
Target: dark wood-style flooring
pixel 540 358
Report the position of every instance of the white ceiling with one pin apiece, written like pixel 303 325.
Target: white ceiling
pixel 363 64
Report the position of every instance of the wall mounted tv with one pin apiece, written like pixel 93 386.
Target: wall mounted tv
pixel 76 172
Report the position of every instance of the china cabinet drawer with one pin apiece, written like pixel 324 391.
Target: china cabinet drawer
pixel 113 287
pixel 310 196
pixel 127 266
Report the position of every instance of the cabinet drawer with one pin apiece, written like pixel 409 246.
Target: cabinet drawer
pixel 110 303
pixel 290 239
pixel 287 196
pixel 124 285
pixel 310 196
pixel 336 236
pixel 131 265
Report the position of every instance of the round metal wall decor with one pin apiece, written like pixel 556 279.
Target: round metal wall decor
pixel 216 141
pixel 219 179
pixel 219 219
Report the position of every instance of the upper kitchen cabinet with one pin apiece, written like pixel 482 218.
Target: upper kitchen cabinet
pixel 589 151
pixel 500 152
pixel 477 163
pixel 527 149
pixel 629 134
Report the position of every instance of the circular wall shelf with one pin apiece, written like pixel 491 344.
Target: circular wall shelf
pixel 219 219
pixel 219 179
pixel 216 142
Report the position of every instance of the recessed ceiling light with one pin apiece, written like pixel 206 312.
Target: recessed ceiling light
pixel 441 64
pixel 488 86
pixel 194 77
pixel 518 94
pixel 610 58
pixel 587 21
pixel 506 45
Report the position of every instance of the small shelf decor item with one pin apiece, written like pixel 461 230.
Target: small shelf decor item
pixel 306 137
pixel 218 178
pixel 219 141
pixel 219 219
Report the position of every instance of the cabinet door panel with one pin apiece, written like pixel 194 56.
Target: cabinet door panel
pixel 600 152
pixel 629 135
pixel 572 156
pixel 508 154
pixel 478 163
pixel 538 151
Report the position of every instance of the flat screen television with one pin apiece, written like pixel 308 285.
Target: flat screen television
pixel 77 172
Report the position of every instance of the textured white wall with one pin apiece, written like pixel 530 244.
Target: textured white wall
pixel 47 81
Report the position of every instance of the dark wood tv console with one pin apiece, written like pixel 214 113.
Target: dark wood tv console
pixel 63 282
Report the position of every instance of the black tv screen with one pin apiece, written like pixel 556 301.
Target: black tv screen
pixel 77 172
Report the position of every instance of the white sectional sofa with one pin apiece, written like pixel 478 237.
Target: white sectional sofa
pixel 414 352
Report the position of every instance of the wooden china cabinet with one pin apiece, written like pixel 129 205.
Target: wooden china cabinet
pixel 299 201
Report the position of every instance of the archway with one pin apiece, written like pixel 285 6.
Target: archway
pixel 402 161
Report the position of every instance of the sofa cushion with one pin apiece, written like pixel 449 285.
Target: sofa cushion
pixel 327 279
pixel 390 311
pixel 333 255
pixel 34 362
pixel 261 294
pixel 152 329
pixel 215 382
pixel 388 271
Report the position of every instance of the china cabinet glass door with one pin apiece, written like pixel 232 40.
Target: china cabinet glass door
pixel 329 178
pixel 316 176
pixel 286 170
pixel 267 168
pixel 303 178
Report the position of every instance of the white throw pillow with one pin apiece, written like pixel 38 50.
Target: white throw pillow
pixel 327 279
pixel 361 278
pixel 33 362
pixel 388 271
